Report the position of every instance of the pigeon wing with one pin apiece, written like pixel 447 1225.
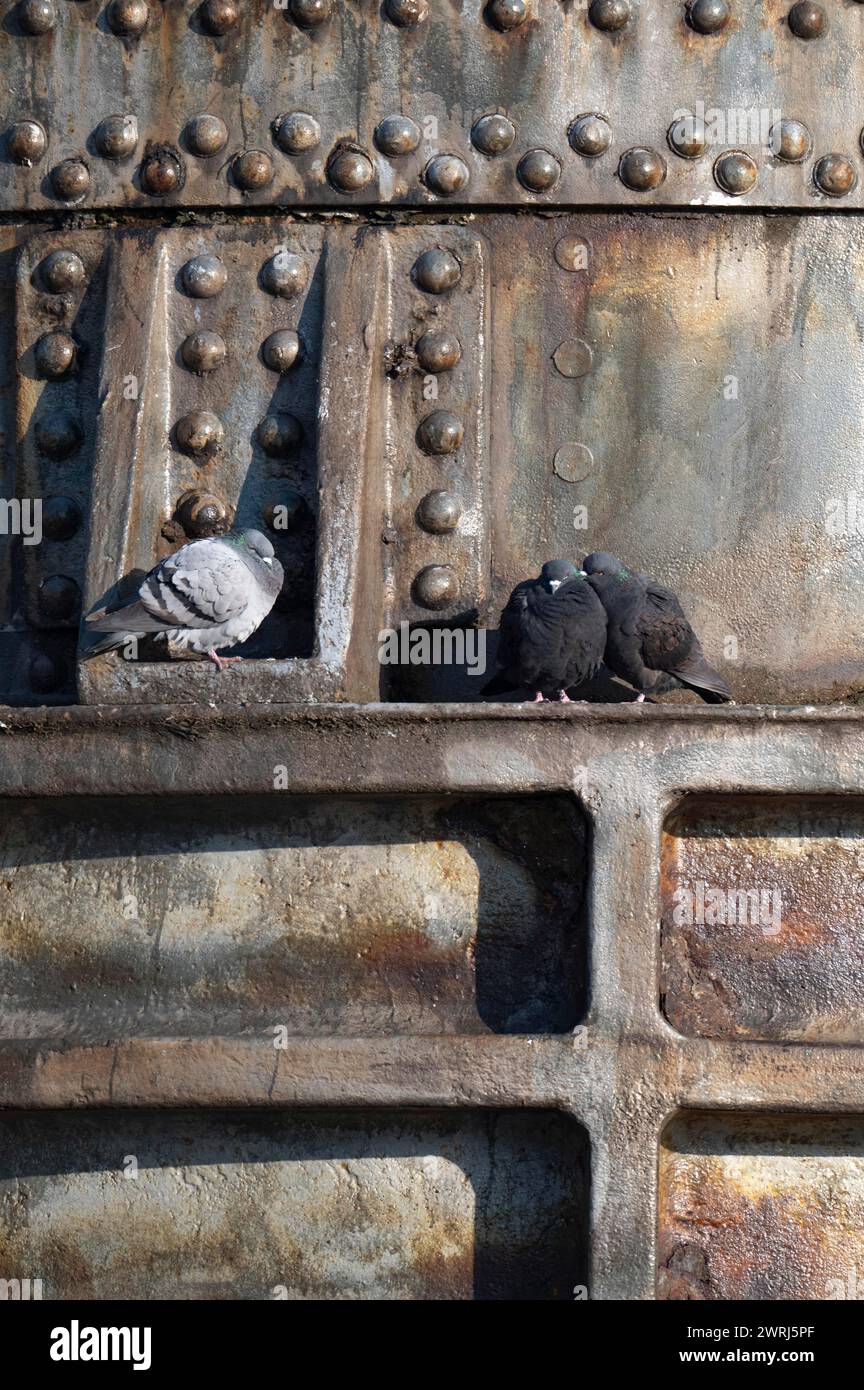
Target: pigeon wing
pixel 204 585
pixel 666 637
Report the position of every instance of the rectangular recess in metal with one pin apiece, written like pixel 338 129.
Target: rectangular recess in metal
pixel 371 1204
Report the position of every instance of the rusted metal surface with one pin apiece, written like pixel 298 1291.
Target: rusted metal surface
pixel 174 115
pixel 369 1205
pixel 402 916
pixel 767 1207
pixel 762 912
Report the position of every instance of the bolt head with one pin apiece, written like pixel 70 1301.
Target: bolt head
pixel 439 512
pixel 440 433
pixel 62 271
pixel 493 134
pixel 58 596
pixel 57 434
pixel 203 277
pixel 790 141
pixel 708 16
pixel 438 350
pixel 36 16
pixel 253 169
pixel 127 18
pixel 736 173
pixel 609 15
pixel 70 180
pixel 218 17
pixel 203 351
pixel 397 135
pixel 446 175
pixel 309 14
pixel 45 673
pixel 806 20
pixel 506 14
pixel 435 587
pixel 205 135
pixel 161 173
pixel 279 435
pixel 641 169
pixel 285 274
pixel 590 135
pixel 436 271
pixel 538 171
pixel 281 350
pixel 406 13
pixel 61 518
pixel 116 137
pixel 26 143
pixel 687 137
pixel 201 514
pixel 200 432
pixel 55 355
pixel 835 175
pixel 350 170
pixel 286 513
pixel 296 132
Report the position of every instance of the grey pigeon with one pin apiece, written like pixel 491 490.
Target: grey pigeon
pixel 552 634
pixel 211 593
pixel 649 641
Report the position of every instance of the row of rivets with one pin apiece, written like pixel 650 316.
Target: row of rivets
pixel 203 513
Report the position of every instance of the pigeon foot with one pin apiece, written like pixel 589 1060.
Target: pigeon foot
pixel 220 662
pixel 538 698
pixel 639 700
pixel 564 698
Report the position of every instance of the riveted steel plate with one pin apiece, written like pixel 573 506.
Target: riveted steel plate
pixel 348 74
pixel 278 915
pixel 370 1205
pixel 763 902
pixel 768 1207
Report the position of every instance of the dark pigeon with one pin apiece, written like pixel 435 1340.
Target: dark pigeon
pixel 552 634
pixel 649 642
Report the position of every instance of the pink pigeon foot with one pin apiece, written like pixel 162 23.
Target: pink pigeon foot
pixel 220 662
pixel 639 699
pixel 538 698
pixel 564 697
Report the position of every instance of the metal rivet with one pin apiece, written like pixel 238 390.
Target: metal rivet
pixel 436 586
pixel 310 13
pixel 281 350
pixel 203 277
pixel 252 170
pixel 506 14
pixel 439 512
pixel 70 180
pixel 285 275
pixel 397 135
pixel 296 132
pixel 36 16
pixel 349 170
pixel 446 175
pixel 807 20
pixel 538 171
pixel 436 271
pixel 573 358
pixel 687 137
pixel 440 433
pixel 736 173
pixel 58 434
pixel 493 134
pixel 279 435
pixel 790 141
pixel 61 271
pixel 287 513
pixel 641 169
pixel 58 596
pixel 708 16
pixel 590 135
pixel 571 253
pixel 438 350
pixel 201 513
pixel 161 172
pixel 26 143
pixel 55 355
pixel 61 518
pixel 609 14
pixel 203 351
pixel 406 13
pixel 573 462
pixel 205 135
pixel 200 432
pixel 835 175
pixel 127 17
pixel 45 673
pixel 218 16
pixel 116 137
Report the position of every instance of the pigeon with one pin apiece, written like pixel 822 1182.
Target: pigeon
pixel 211 593
pixel 552 634
pixel 649 642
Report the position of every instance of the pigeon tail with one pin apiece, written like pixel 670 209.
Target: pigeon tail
pixel 698 676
